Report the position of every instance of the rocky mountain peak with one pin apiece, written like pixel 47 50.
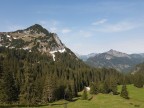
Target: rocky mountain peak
pixel 33 38
pixel 36 28
pixel 117 53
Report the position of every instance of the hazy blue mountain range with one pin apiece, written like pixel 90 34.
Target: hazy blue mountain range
pixel 85 57
pixel 114 59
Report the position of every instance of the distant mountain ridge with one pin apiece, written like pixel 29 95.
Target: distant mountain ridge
pixel 115 59
pixel 85 57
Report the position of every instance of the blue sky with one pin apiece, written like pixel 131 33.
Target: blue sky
pixel 85 26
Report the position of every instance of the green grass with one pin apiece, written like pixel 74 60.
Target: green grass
pixel 106 100
pixel 109 101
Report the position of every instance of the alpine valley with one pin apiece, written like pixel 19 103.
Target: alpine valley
pixel 36 68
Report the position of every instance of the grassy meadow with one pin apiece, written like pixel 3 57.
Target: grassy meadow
pixel 104 100
pixel 107 100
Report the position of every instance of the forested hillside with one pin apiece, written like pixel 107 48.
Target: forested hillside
pixel 34 78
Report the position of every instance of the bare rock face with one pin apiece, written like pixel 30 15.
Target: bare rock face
pixel 117 53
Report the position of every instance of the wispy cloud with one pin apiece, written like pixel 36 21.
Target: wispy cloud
pixel 55 26
pixel 66 30
pixel 117 27
pixel 102 21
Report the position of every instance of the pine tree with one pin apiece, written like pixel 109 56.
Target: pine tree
pixel 113 86
pixel 73 88
pixel 2 92
pixel 105 88
pixel 49 89
pixel 93 88
pixel 124 92
pixel 114 90
pixel 138 80
pixel 84 95
pixel 68 93
pixel 8 87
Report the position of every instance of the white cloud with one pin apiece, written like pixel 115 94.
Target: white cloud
pixel 118 27
pixel 64 31
pixel 55 26
pixel 102 21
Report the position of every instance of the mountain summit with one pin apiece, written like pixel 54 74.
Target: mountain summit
pixel 37 28
pixel 117 53
pixel 33 38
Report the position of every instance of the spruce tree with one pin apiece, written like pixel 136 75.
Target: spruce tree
pixel 124 92
pixel 114 87
pixel 28 92
pixel 2 92
pixel 93 88
pixel 138 80
pixel 49 89
pixel 8 87
pixel 105 88
pixel 68 93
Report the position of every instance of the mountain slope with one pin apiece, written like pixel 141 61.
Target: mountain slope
pixel 114 59
pixel 34 38
pixel 36 68
pixel 139 69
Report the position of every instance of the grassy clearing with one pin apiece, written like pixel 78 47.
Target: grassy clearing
pixel 109 101
pixel 105 100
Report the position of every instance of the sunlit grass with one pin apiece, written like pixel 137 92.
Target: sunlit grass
pixel 110 101
pixel 105 100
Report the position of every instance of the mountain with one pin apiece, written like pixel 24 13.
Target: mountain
pixel 33 38
pixel 115 59
pixel 138 69
pixel 37 68
pixel 142 54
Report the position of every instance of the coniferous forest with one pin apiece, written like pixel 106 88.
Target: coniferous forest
pixel 31 78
